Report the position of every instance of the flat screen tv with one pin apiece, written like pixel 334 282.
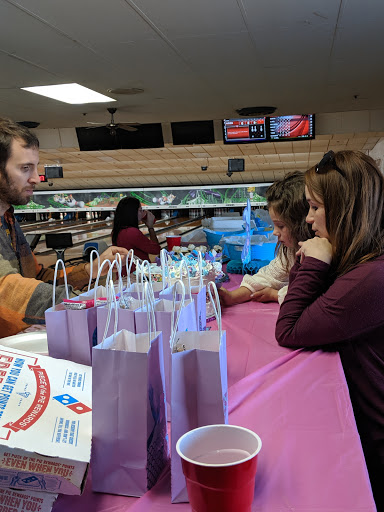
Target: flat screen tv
pixel 100 138
pixel 192 132
pixel 251 129
pixel 294 127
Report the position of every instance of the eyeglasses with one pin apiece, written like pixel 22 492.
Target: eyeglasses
pixel 327 163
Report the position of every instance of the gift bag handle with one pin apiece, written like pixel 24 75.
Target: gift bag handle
pixel 140 282
pixel 150 307
pixel 58 262
pixel 184 264
pixel 175 323
pixel 91 266
pixel 116 264
pixel 128 264
pixel 165 268
pixel 111 298
pixel 200 261
pixel 119 268
pixel 105 262
pixel 215 305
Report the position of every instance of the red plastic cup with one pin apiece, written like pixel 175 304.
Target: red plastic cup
pixel 219 465
pixel 172 241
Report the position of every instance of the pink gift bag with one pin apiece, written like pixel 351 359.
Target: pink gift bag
pixel 71 333
pixel 199 388
pixel 129 425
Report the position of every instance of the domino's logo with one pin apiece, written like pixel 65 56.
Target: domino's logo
pixel 72 403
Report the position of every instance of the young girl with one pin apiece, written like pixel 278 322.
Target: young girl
pixel 336 291
pixel 287 209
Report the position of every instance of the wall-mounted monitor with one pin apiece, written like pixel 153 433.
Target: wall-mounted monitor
pixel 186 133
pixel 293 127
pixel 53 171
pixel 251 129
pixel 101 138
pixel 58 240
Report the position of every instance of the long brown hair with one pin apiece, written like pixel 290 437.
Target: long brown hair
pixel 353 200
pixel 125 216
pixel 287 198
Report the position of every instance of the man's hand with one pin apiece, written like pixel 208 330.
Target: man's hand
pixel 266 294
pixel 109 254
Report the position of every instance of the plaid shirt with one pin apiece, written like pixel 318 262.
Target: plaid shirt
pixel 25 285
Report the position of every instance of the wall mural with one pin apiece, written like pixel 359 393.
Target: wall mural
pixel 155 198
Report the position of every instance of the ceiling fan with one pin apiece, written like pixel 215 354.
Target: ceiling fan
pixel 112 126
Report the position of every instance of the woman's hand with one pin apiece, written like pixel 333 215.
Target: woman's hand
pixel 266 294
pixel 149 220
pixel 318 248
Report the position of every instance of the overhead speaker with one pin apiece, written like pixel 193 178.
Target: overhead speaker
pixel 235 164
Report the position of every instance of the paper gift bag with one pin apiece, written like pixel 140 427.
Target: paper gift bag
pixel 126 305
pixel 164 313
pixel 197 293
pixel 143 273
pixel 71 333
pixel 129 432
pixel 199 389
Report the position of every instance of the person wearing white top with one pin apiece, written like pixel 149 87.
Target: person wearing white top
pixel 287 209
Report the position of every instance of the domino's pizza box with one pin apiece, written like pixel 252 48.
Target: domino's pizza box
pixel 45 422
pixel 21 501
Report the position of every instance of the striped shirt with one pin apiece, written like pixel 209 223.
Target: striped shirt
pixel 25 285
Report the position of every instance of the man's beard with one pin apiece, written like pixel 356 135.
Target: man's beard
pixel 8 192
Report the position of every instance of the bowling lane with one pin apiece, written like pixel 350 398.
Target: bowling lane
pixel 163 228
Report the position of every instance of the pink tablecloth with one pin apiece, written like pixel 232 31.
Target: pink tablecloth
pixel 298 402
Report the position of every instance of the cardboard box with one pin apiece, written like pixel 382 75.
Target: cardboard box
pixel 45 422
pixel 23 501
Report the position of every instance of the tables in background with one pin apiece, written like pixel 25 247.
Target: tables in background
pixel 298 402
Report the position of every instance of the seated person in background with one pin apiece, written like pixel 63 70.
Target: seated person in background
pixel 126 232
pixel 335 298
pixel 287 209
pixel 25 286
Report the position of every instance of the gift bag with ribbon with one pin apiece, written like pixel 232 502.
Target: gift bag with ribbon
pixel 129 424
pixel 165 313
pixel 199 388
pixel 126 305
pixel 70 332
pixel 197 293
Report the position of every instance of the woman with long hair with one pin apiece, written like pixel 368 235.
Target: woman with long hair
pixel 287 209
pixel 126 230
pixel 336 289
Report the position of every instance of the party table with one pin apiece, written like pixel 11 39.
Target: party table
pixel 298 402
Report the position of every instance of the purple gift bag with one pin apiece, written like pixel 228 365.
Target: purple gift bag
pixel 165 311
pixel 143 274
pixel 126 305
pixel 129 424
pixel 199 388
pixel 71 333
pixel 196 293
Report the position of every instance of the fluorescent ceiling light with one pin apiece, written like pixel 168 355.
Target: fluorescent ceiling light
pixel 69 93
